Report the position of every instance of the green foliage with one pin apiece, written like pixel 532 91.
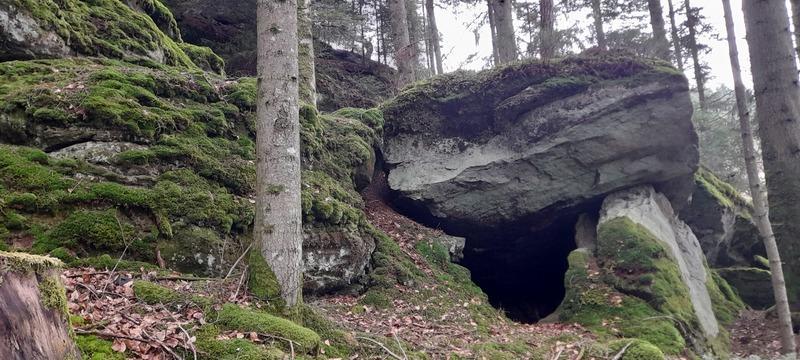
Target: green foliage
pixel 233 317
pixel 108 28
pixel 89 230
pixel 204 57
pixel 94 348
pixel 152 293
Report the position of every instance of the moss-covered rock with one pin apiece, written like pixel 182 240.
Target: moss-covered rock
pixel 636 349
pixel 94 348
pixel 233 349
pixel 753 285
pixel 234 317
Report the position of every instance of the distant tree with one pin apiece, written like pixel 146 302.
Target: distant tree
pixel 599 30
pixel 676 38
pixel 772 61
pixel 501 15
pixel 433 35
pixel 416 35
pixel 277 230
pixel 403 50
pixel 547 39
pixel 796 23
pixel 660 43
pixel 692 22
pixel 759 201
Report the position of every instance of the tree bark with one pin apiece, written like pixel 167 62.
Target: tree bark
pixel 759 201
pixel 436 47
pixel 493 32
pixel 676 39
pixel 403 51
pixel 277 229
pixel 33 309
pixel 305 55
pixel 660 43
pixel 504 28
pixel 699 77
pixel 772 60
pixel 599 31
pixel 547 48
pixel 796 23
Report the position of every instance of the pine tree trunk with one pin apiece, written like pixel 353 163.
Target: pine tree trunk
pixel 660 43
pixel 699 76
pixel 547 47
pixel 759 201
pixel 676 39
pixel 599 31
pixel 504 28
pixel 413 34
pixel 437 49
pixel 428 49
pixel 277 229
pixel 403 51
pixel 34 322
pixel 305 55
pixel 493 32
pixel 796 23
pixel 772 58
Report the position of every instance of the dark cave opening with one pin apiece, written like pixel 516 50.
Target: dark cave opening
pixel 524 276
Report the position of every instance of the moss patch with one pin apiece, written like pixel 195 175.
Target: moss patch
pixel 152 293
pixel 94 348
pixel 233 317
pixel 637 350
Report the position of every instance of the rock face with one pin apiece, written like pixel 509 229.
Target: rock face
pixel 753 285
pixel 648 266
pixel 344 79
pixel 653 211
pixel 721 219
pixel 505 145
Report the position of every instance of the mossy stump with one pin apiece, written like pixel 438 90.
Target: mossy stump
pixel 33 309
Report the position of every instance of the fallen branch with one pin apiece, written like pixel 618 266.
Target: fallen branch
pixel 238 260
pixel 185 278
pixel 108 335
pixel 291 343
pixel 382 346
pixel 622 352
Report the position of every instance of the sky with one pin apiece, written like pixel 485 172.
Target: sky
pixel 459 42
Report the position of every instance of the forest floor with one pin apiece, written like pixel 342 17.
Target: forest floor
pixel 756 333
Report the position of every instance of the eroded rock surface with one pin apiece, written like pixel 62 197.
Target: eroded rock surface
pixel 505 145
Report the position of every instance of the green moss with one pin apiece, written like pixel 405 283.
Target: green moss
pixel 262 281
pixel 108 28
pixel 233 317
pixel 761 262
pixel 637 350
pixel 242 93
pixel 90 231
pixel 726 302
pixel 725 193
pixel 204 57
pixel 94 348
pixel 105 261
pixel 52 294
pixel 376 298
pixel 152 293
pixel 335 342
pixel 370 117
pixel 232 349
pixel 23 262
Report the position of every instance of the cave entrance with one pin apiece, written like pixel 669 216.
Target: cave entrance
pixel 525 276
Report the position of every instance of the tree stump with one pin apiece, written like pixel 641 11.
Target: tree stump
pixel 34 322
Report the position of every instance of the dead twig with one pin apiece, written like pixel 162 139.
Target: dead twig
pixel 238 260
pixel 127 244
pixel 622 352
pixel 241 281
pixel 291 343
pixel 391 353
pixel 185 278
pixel 399 345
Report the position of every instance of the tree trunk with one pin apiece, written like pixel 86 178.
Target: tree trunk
pixel 493 32
pixel 428 49
pixel 305 55
pixel 504 28
pixel 277 229
pixel 599 31
pixel 437 49
pixel 759 202
pixel 660 43
pixel 676 39
pixel 547 48
pixel 778 112
pixel 699 77
pixel 796 22
pixel 33 309
pixel 403 51
pixel 413 34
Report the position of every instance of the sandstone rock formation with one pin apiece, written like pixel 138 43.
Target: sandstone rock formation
pixel 505 145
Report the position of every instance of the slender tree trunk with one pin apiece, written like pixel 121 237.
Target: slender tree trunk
pixel 599 31
pixel 676 39
pixel 437 49
pixel 277 229
pixel 504 28
pixel 796 23
pixel 493 31
pixel 413 34
pixel 772 59
pixel 759 201
pixel 699 76
pixel 305 55
pixel 403 51
pixel 661 45
pixel 547 48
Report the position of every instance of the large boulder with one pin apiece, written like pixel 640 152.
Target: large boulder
pixel 97 155
pixel 344 78
pixel 648 278
pixel 507 145
pixel 722 220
